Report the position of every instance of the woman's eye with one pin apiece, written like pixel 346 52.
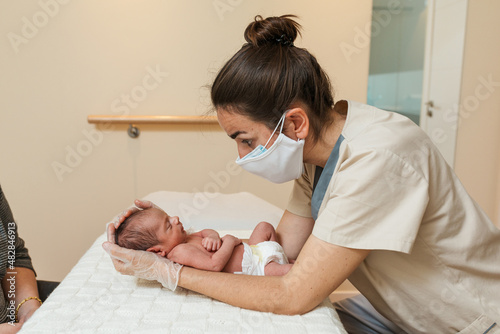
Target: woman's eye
pixel 247 142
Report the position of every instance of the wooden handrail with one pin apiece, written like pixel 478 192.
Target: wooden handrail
pixel 151 119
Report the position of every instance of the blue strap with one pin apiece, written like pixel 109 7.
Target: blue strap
pixel 324 180
pixel 317 174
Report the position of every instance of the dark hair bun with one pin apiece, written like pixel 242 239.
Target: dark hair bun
pixel 272 30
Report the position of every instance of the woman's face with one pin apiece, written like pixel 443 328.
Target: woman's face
pixel 248 134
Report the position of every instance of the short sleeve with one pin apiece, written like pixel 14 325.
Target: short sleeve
pixel 9 233
pixel 300 198
pixel 376 200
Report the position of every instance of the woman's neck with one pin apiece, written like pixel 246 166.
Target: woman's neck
pixel 317 153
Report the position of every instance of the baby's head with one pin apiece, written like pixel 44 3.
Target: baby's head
pixel 151 230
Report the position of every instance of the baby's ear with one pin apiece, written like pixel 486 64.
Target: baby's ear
pixel 158 250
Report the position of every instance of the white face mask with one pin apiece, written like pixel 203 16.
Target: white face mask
pixel 282 162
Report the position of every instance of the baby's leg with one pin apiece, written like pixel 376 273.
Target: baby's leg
pixel 262 232
pixel 276 269
pixel 265 232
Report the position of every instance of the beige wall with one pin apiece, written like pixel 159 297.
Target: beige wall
pixel 497 200
pixel 478 140
pixel 63 60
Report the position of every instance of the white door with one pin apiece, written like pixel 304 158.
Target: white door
pixel 443 73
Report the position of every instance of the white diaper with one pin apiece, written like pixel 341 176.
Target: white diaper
pixel 256 257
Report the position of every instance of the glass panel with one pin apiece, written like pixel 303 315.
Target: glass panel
pixel 397 56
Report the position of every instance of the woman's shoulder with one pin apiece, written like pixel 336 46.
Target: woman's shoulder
pixel 5 212
pixel 371 129
pixel 367 122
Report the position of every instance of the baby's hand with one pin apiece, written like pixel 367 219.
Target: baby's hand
pixel 211 244
pixel 229 237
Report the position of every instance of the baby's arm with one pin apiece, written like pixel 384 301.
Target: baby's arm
pixel 192 256
pixel 211 239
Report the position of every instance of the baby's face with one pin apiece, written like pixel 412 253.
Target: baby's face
pixel 169 229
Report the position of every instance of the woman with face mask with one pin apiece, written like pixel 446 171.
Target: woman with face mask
pixel 373 202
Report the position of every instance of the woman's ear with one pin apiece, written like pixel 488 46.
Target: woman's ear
pixel 158 250
pixel 298 122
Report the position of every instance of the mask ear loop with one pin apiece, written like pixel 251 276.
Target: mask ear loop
pixel 282 122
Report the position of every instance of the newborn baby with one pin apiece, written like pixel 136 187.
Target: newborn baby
pixel 153 230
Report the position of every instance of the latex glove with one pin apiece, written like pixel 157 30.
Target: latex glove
pixel 140 205
pixel 113 226
pixel 142 264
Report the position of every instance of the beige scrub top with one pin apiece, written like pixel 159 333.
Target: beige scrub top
pixel 435 264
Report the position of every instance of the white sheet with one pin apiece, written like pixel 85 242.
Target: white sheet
pixel 95 298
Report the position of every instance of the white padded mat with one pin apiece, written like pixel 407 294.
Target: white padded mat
pixel 95 298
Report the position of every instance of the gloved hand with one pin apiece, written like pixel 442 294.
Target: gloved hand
pixel 143 264
pixel 140 205
pixel 113 226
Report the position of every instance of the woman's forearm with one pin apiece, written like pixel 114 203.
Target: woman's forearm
pixel 319 270
pixel 292 233
pixel 20 286
pixel 261 293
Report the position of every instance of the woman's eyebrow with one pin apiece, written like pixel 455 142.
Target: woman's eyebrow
pixel 236 134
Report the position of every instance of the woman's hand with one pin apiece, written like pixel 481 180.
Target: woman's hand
pixel 140 205
pixel 7 328
pixel 142 264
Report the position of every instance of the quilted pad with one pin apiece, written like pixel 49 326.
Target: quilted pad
pixel 95 298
